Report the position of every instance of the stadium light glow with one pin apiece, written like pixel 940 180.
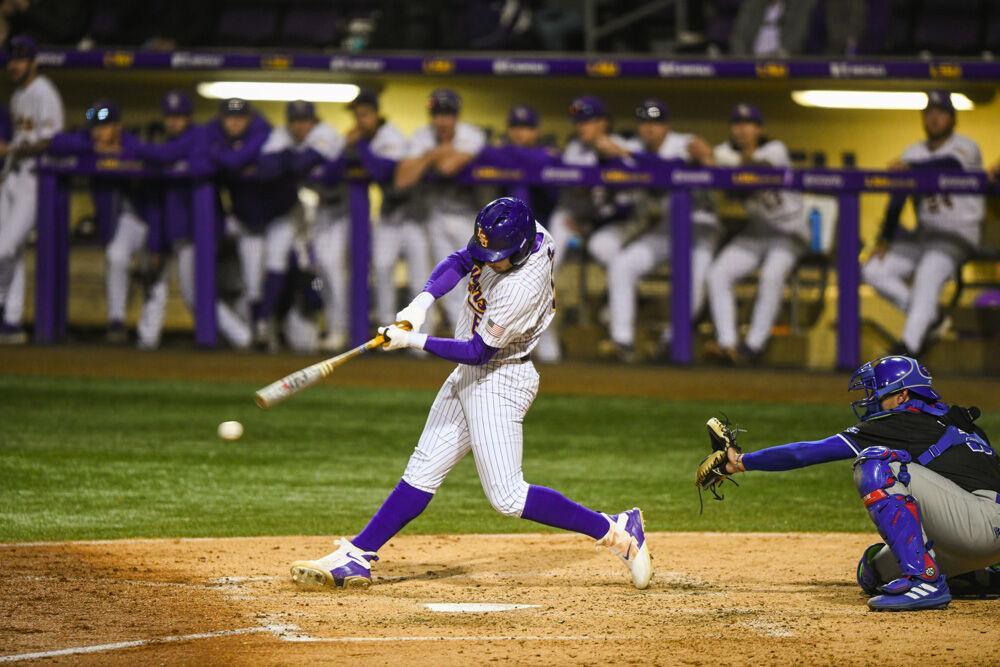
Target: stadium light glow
pixel 873 100
pixel 274 91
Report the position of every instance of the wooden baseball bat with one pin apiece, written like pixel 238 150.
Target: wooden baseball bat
pixel 306 377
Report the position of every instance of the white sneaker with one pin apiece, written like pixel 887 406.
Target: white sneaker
pixel 626 539
pixel 333 341
pixel 347 567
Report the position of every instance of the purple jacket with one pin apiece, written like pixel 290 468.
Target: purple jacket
pixel 110 193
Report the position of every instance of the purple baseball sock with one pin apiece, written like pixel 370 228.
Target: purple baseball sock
pixel 403 505
pixel 274 283
pixel 552 508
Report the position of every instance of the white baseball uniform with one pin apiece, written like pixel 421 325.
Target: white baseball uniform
pixel 774 240
pixel 481 408
pixel 332 232
pixel 562 225
pixel 37 114
pixel 450 207
pixel 948 227
pixel 399 232
pixel 627 260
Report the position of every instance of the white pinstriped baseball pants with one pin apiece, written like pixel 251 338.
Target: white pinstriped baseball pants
pixel 479 409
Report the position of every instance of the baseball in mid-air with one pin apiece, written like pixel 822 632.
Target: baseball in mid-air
pixel 230 430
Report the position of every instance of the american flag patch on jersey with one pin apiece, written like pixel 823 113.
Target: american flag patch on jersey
pixel 494 329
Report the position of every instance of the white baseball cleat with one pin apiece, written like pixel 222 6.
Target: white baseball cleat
pixel 626 539
pixel 347 567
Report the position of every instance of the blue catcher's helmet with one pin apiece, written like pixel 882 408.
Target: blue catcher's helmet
pixel 504 228
pixel 886 376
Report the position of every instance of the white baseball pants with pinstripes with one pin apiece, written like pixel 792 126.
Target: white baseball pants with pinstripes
pixel 479 409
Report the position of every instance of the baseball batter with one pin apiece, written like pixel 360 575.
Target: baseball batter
pixel 774 240
pixel 926 473
pixel 37 112
pixel 481 406
pixel 948 227
pixel 628 254
pixel 440 151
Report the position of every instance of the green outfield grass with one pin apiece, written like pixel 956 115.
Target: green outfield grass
pixel 109 458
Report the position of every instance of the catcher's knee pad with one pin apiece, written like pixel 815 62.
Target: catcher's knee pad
pixel 896 515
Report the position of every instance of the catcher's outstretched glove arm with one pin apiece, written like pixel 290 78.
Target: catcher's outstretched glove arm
pixel 711 472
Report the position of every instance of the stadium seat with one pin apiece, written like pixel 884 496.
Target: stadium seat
pixel 247 25
pixel 949 26
pixel 313 26
pixel 720 26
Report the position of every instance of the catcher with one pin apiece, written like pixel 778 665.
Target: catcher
pixel 926 473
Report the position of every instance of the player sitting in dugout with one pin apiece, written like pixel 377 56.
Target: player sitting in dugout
pixel 926 473
pixel 910 268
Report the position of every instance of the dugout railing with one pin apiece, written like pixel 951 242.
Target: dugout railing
pixel 847 186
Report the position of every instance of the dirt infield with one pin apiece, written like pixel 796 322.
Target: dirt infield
pixel 715 599
pixel 401 371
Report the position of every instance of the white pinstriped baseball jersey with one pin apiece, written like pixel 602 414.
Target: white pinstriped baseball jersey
pixel 36 111
pixel 510 310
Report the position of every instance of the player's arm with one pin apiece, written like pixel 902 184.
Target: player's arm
pixel 450 161
pixel 235 159
pixel 380 167
pixel 701 152
pixel 411 170
pixel 442 280
pixel 794 455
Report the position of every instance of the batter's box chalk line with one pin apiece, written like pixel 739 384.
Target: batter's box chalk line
pixel 475 607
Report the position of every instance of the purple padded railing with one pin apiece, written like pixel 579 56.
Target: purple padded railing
pixel 53 236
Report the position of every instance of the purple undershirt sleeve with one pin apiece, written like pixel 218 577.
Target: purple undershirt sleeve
pixel 448 272
pixel 800 454
pixel 473 352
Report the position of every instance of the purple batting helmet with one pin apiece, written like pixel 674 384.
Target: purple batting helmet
pixel 176 103
pixel 886 376
pixel 504 228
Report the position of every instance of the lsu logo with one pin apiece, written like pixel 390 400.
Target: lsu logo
pixel 276 62
pixel 118 59
pixel 439 66
pixel 772 71
pixel 946 71
pixel 603 68
pixel 483 240
pixel 476 300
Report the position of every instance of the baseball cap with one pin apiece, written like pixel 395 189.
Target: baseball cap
pixel 940 99
pixel 176 103
pixel 522 116
pixel 367 97
pixel 300 110
pixel 103 111
pixel 444 101
pixel 234 106
pixel 587 107
pixel 653 110
pixel 23 46
pixel 746 113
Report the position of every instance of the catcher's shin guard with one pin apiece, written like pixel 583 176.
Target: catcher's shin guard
pixel 896 515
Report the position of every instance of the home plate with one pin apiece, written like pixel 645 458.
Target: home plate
pixel 474 607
